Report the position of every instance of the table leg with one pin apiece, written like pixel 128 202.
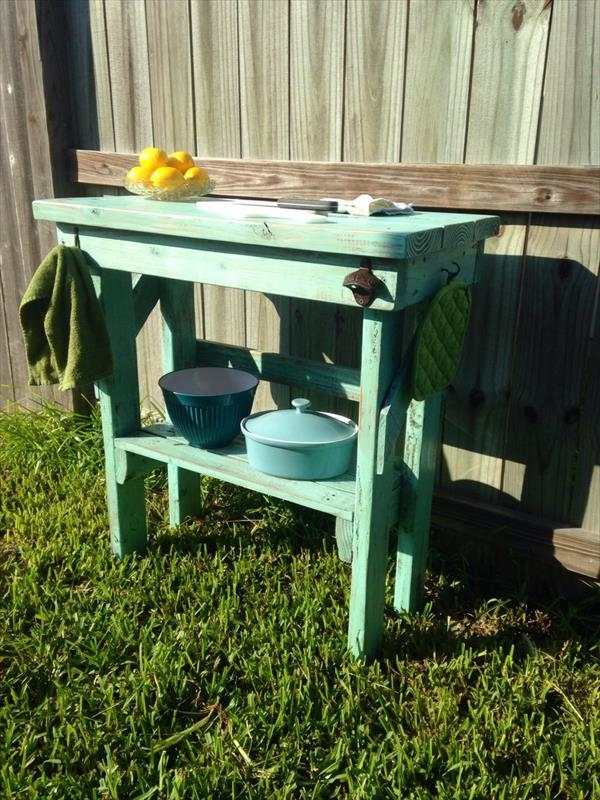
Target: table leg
pixel 120 408
pixel 380 354
pixel 344 536
pixel 421 445
pixel 179 352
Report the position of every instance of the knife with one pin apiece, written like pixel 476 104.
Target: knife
pixel 305 204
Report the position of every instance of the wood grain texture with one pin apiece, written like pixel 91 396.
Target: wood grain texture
pixel 264 106
pixel 282 273
pixel 217 108
pixel 570 113
pixel 587 496
pixel 27 173
pixel 317 39
pixel 173 128
pixel 310 375
pixel 399 238
pixel 101 67
pixel 7 382
pixel 160 442
pixel 476 407
pixel 131 96
pixel 438 63
pixel 554 419
pixel 508 69
pixel 129 74
pixel 146 294
pixel 373 92
pixel 419 468
pixel 216 77
pixel 89 75
pixel 264 78
pixel 316 80
pixel 374 81
pixel 120 407
pixel 544 542
pixel 170 67
pixel 179 352
pixel 565 190
pixel 380 354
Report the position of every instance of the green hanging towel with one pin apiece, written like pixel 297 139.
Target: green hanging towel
pixel 65 333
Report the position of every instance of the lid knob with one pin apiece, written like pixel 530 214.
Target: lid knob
pixel 301 404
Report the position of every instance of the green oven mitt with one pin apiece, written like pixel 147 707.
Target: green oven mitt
pixel 65 334
pixel 439 340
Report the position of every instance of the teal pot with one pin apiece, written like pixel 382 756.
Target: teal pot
pixel 302 444
pixel 207 404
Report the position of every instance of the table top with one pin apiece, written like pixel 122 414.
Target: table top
pixel 397 237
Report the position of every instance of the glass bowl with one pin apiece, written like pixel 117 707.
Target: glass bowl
pixel 187 191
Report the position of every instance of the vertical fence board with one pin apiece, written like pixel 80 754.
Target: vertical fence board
pixel 438 64
pixel 376 34
pixel 101 76
pixel 373 87
pixel 170 66
pixel 27 166
pixel 508 68
pixel 316 93
pixel 553 441
pixel 217 104
pixel 570 116
pixel 129 74
pixel 477 404
pixel 264 93
pixel 552 431
pixel 89 76
pixel 506 87
pixel 7 382
pixel 132 115
pixel 588 496
pixel 173 128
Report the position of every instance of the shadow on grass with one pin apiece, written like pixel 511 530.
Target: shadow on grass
pixel 475 601
pixel 276 525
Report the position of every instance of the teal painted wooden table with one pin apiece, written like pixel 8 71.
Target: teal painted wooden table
pixel 144 251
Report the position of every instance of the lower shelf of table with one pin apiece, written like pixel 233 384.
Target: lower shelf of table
pixel 161 443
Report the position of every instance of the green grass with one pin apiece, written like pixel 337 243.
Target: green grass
pixel 215 666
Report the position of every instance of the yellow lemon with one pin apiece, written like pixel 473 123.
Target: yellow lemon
pixel 180 160
pixel 152 158
pixel 196 174
pixel 139 175
pixel 167 178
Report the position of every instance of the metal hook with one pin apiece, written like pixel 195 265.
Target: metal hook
pixel 452 275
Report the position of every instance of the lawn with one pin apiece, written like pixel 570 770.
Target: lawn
pixel 215 666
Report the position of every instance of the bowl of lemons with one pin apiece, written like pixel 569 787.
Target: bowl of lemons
pixel 168 177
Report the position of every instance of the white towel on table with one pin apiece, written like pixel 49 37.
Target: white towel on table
pixel 365 206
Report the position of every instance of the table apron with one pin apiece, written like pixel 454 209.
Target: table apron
pixel 302 274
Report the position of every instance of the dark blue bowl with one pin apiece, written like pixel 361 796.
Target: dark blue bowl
pixel 207 404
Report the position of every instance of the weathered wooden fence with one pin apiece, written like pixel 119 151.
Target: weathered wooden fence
pixel 415 81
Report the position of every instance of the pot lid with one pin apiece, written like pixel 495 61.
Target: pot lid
pixel 300 425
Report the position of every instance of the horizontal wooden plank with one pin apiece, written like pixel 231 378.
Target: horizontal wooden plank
pixel 285 273
pixel 564 190
pixel 576 549
pixel 161 443
pixel 421 234
pixel 234 266
pixel 288 370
